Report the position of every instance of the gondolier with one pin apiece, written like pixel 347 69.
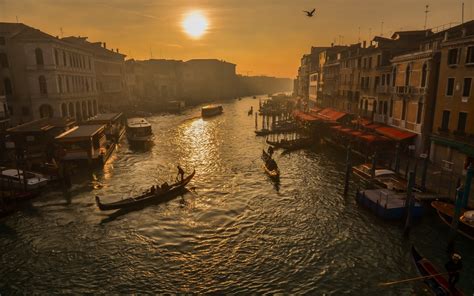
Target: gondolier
pixel 453 266
pixel 181 173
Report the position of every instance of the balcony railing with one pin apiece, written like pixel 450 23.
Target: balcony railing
pixel 382 89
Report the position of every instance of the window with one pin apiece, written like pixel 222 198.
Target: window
pixel 42 85
pixel 88 59
pixel 8 86
pixel 407 75
pixel 394 75
pixel 445 120
pixel 462 122
pixel 64 59
pixel 3 60
pixel 383 79
pixel 377 82
pixel 379 59
pixel 385 108
pixel 391 107
pixel 39 57
pixel 466 89
pixel 370 63
pixel 450 87
pixel 424 72
pixel 60 84
pixel 56 57
pixel 419 113
pixel 453 56
pixel 68 89
pixel 404 110
pixel 470 55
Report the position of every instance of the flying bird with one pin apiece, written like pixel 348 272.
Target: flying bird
pixel 310 13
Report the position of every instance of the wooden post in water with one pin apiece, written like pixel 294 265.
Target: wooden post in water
pixel 409 202
pixel 256 120
pixel 467 186
pixel 348 170
pixel 424 170
pixel 263 120
pixel 374 164
pixel 457 213
pixel 397 158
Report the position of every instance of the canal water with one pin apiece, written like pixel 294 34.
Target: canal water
pixel 234 232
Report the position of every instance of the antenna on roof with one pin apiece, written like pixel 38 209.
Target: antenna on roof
pixel 426 15
pixel 358 40
pixel 462 15
pixel 62 32
pixel 381 31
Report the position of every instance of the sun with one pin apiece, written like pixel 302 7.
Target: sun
pixel 195 24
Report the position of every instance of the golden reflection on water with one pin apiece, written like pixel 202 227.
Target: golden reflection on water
pixel 198 140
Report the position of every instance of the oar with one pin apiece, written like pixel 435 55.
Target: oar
pixel 412 279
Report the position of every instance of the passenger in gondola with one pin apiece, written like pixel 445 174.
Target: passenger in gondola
pixel 165 186
pixel 152 189
pixel 270 151
pixel 454 267
pixel 181 173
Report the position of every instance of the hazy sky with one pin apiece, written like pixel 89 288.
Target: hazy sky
pixel 260 36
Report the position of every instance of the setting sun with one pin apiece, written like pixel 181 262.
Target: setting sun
pixel 195 24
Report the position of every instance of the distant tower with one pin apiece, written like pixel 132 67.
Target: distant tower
pixel 426 15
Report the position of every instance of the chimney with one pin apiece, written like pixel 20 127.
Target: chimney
pixel 117 50
pixel 364 44
pixel 105 45
pixel 332 44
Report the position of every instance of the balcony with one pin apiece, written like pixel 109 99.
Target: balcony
pixel 415 90
pixel 403 124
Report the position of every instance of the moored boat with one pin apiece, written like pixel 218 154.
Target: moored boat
pixel 20 179
pixel 290 144
pixel 387 204
pixel 160 195
pixel 437 282
pixel 211 110
pixel 446 214
pixel 383 177
pixel 139 131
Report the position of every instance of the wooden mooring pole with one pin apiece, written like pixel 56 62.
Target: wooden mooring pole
pixel 348 170
pixel 409 202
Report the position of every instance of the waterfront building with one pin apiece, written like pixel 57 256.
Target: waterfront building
pixel 44 76
pixel 109 68
pixel 452 141
pixel 135 78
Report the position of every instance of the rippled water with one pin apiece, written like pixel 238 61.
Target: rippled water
pixel 234 232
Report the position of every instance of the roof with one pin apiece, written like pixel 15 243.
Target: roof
pixel 360 135
pixel 395 133
pixel 105 117
pixel 82 131
pixel 43 125
pixel 208 61
pixel 331 114
pixel 302 116
pixel 95 47
pixel 137 122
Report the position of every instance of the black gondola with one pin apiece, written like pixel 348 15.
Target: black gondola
pixel 437 283
pixel 270 166
pixel 146 198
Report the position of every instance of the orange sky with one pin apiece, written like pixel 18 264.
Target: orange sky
pixel 263 37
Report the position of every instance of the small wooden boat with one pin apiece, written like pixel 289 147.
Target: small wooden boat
pixel 270 166
pixel 211 110
pixel 446 213
pixel 383 177
pixel 146 198
pixel 15 178
pixel 438 284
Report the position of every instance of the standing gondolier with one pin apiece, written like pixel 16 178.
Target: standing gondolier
pixel 180 173
pixel 454 267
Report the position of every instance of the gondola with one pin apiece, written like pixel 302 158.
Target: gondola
pixel 273 173
pixel 446 213
pixel 146 198
pixel 438 284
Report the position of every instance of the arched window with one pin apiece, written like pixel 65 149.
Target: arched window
pixel 87 84
pixel 374 108
pixel 391 107
pixel 404 109
pixel 366 106
pixel 407 75
pixel 39 56
pixel 3 60
pixel 424 72
pixel 89 108
pixel 42 85
pixel 94 105
pixel 68 87
pixel 64 110
pixel 56 57
pixel 381 107
pixel 71 110
pixel 8 86
pixel 64 59
pixel 385 108
pixel 46 110
pixel 394 75
pixel 84 110
pixel 78 111
pixel 60 84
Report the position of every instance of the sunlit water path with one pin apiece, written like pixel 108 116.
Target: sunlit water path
pixel 234 232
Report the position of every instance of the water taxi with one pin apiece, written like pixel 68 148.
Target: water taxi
pixel 139 131
pixel 211 110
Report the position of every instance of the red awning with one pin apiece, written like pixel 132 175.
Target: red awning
pixel 395 133
pixel 331 114
pixel 299 115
